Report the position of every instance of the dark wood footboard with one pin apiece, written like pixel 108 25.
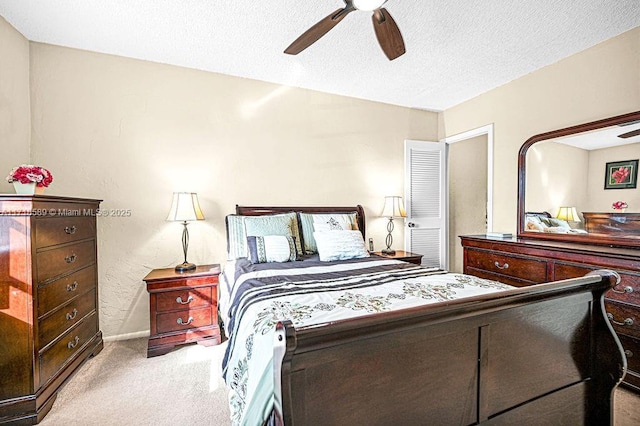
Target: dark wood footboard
pixel 544 355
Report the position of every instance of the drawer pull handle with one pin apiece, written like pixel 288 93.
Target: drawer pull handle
pixel 505 266
pixel 627 321
pixel 72 344
pixel 628 353
pixel 71 259
pixel 72 287
pixel 70 229
pixel 189 300
pixel 627 289
pixel 189 321
pixel 71 315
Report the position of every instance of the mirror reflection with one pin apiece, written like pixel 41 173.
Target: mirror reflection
pixel 585 183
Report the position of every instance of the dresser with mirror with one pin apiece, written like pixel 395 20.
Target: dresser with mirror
pixel 578 209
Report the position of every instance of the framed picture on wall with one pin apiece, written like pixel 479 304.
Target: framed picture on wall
pixel 621 175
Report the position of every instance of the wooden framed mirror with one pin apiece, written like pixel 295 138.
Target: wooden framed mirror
pixel 584 170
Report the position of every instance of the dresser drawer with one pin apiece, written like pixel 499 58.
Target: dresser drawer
pixel 628 290
pixel 64 318
pixel 56 356
pixel 62 260
pixel 181 299
pixel 184 320
pixel 529 269
pixel 624 318
pixel 58 230
pixel 64 289
pixel 631 348
pixel 505 279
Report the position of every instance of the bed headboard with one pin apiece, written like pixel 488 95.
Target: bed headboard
pixel 259 210
pixel 542 214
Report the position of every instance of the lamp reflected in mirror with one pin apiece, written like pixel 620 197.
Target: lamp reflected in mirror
pixel 568 214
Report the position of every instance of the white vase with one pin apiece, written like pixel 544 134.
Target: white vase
pixel 28 188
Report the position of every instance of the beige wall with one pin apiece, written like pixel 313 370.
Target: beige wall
pixel 599 82
pixel 556 177
pixel 14 101
pixel 131 132
pixel 600 200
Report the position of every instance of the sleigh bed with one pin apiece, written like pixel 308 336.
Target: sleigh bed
pixel 471 351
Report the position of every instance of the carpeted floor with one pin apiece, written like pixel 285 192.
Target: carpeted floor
pixel 122 387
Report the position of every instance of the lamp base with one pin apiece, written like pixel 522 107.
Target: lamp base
pixel 185 266
pixel 388 251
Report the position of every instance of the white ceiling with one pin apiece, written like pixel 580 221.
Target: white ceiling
pixel 602 138
pixel 456 50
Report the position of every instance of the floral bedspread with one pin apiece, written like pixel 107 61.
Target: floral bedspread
pixel 313 292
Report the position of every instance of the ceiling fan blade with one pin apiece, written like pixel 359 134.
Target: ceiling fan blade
pixel 388 34
pixel 314 33
pixel 630 134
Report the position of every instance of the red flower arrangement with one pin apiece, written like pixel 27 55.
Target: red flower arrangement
pixel 27 173
pixel 619 205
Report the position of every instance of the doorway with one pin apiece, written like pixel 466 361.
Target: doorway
pixel 470 172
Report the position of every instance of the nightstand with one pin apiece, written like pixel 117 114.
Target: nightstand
pixel 183 308
pixel 405 256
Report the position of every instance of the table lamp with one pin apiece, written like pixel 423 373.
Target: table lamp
pixel 185 208
pixel 393 207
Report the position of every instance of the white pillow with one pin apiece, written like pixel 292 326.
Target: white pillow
pixel 340 245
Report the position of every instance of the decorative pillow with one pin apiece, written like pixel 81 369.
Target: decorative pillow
pixel 560 223
pixel 324 222
pixel 533 223
pixel 340 245
pixel 272 248
pixel 276 224
pixel 236 237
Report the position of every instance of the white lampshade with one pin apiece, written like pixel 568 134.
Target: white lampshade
pixel 368 4
pixel 185 207
pixel 568 213
pixel 393 207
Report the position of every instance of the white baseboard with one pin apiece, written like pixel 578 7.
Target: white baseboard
pixel 126 336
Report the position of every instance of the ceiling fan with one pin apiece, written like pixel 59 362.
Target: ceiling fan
pixel 386 29
pixel 632 133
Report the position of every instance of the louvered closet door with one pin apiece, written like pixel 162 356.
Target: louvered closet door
pixel 425 195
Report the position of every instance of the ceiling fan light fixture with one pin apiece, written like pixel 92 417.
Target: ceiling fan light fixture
pixel 368 4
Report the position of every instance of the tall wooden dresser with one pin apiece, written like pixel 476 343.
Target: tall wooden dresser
pixel 522 262
pixel 48 299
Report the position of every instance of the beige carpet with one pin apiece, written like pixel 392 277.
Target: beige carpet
pixel 122 387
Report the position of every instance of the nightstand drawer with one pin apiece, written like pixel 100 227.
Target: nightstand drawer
pixel 184 320
pixel 181 299
pixel 529 269
pixel 624 318
pixel 62 260
pixel 64 318
pixel 59 230
pixel 61 290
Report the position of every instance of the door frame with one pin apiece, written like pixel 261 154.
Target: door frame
pixel 480 131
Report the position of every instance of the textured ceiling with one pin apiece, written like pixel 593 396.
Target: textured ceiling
pixel 456 50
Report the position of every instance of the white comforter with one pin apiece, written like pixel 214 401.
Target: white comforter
pixel 313 293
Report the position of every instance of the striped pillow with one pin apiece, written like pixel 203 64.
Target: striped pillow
pixel 272 248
